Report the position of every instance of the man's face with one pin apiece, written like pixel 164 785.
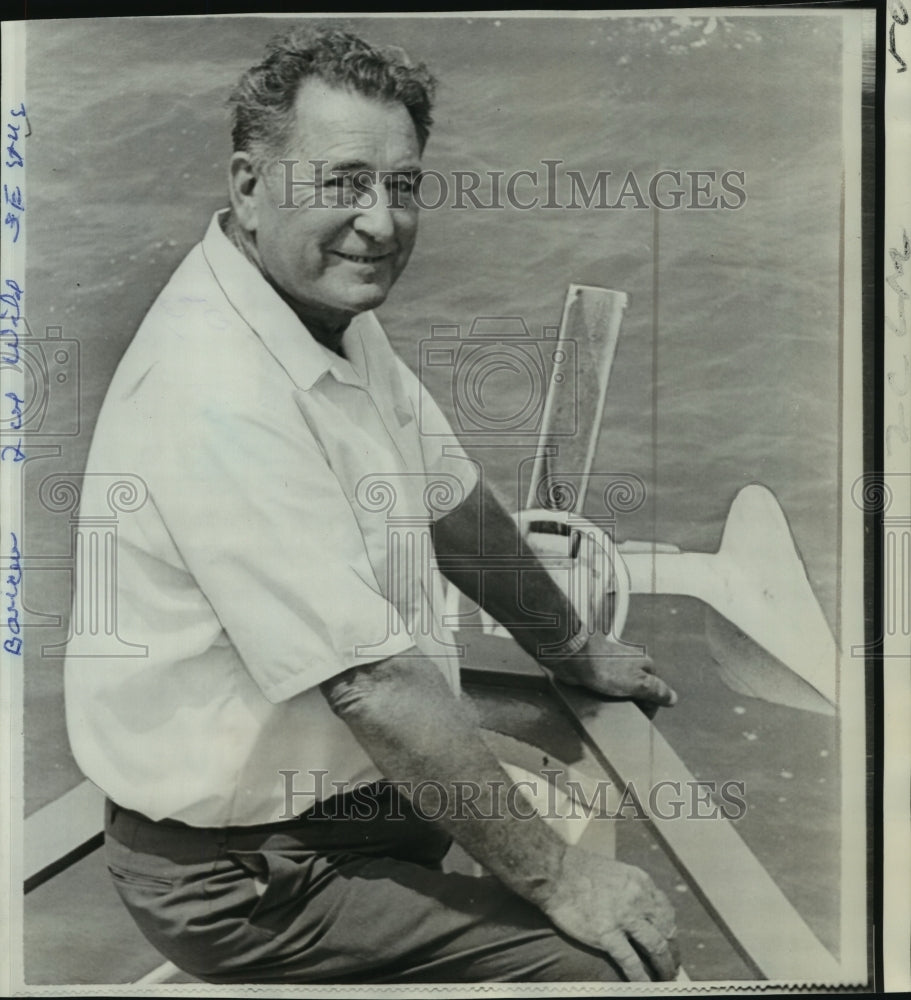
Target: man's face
pixel 342 246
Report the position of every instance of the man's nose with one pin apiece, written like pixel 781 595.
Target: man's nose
pixel 374 217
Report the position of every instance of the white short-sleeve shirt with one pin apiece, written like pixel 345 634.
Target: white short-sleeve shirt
pixel 284 539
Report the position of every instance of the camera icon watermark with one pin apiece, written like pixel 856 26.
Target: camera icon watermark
pixel 48 384
pixel 498 374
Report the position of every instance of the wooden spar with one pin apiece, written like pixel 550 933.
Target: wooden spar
pixel 739 894
pixel 589 331
pixel 743 898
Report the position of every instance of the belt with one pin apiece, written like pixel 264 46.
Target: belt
pixel 330 826
pixel 131 815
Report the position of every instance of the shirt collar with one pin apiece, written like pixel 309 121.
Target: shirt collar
pixel 289 341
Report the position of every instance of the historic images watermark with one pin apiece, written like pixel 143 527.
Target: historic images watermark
pixel 549 185
pixel 466 800
pixel 885 495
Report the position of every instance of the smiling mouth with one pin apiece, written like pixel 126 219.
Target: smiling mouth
pixel 360 258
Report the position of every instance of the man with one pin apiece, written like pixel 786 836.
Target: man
pixel 273 426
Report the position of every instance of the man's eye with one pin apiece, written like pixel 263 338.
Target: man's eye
pixel 402 187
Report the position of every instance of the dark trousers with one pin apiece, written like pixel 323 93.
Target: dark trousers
pixel 337 899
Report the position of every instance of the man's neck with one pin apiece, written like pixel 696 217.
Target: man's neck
pixel 327 332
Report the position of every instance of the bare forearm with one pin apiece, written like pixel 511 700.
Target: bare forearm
pixel 481 551
pixel 415 730
pixel 472 544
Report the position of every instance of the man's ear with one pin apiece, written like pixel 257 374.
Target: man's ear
pixel 243 183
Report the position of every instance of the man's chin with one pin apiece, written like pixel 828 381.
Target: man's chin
pixel 366 297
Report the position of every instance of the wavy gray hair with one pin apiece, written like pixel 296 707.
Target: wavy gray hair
pixel 262 103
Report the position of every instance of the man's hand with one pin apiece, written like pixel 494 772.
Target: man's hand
pixel 608 667
pixel 617 909
pixel 480 529
pixel 406 717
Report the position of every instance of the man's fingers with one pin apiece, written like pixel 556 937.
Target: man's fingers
pixel 661 914
pixel 654 946
pixel 650 687
pixel 674 945
pixel 623 953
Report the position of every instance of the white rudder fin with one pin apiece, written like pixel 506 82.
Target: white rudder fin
pixel 758 582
